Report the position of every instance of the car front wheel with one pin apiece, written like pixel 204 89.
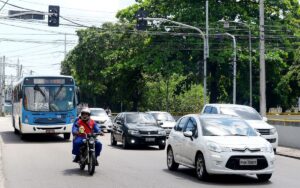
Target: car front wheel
pixel 113 141
pixel 172 165
pixel 200 167
pixel 263 177
pixel 125 143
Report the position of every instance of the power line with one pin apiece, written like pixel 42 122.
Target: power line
pixel 3 5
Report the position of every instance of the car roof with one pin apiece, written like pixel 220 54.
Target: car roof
pixel 157 112
pixel 228 105
pixel 212 116
pixel 96 109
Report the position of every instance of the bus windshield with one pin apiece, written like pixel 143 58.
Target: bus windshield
pixel 41 98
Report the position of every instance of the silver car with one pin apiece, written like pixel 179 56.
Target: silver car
pixel 100 116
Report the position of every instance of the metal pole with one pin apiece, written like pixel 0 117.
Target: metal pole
pixel 1 76
pixel 234 68
pixel 250 67
pixel 65 45
pixel 262 73
pixel 205 55
pixel 3 87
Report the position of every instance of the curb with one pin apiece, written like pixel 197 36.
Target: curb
pixel 286 155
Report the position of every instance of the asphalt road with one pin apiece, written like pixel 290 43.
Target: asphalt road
pixel 46 162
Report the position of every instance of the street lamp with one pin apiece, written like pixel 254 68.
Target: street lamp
pixel 226 25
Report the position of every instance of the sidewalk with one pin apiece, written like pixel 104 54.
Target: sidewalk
pixel 288 152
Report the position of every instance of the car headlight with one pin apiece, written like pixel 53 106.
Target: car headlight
pixel 273 131
pixel 133 132
pixel 162 132
pixel 268 149
pixel 212 146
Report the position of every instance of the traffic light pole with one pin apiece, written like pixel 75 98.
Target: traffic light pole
pixel 204 51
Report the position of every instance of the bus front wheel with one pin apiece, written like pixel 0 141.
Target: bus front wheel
pixel 67 136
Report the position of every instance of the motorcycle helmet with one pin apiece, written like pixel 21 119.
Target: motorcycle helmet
pixel 83 113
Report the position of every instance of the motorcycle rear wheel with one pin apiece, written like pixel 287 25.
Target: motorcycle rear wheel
pixel 92 164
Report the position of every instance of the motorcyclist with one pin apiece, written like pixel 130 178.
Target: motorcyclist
pixel 82 126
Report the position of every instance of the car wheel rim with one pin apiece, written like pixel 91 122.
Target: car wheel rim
pixel 200 167
pixel 170 158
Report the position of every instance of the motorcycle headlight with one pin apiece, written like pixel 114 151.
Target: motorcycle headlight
pixel 91 141
pixel 162 132
pixel 133 132
pixel 212 146
pixel 273 131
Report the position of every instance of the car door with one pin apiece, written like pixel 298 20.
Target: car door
pixel 189 146
pixel 119 122
pixel 177 138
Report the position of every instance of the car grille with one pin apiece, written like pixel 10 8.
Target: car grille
pixel 246 149
pixel 234 163
pixel 264 131
pixel 148 132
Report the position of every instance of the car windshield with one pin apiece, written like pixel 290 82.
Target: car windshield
pixel 48 98
pixel 98 112
pixel 163 116
pixel 226 127
pixel 140 118
pixel 246 113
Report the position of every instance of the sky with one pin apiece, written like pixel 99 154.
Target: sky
pixel 40 48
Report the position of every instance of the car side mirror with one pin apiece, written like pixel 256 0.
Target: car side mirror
pixel 160 122
pixel 188 134
pixel 119 122
pixel 265 119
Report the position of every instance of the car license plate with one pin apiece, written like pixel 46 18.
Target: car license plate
pixel 150 139
pixel 50 131
pixel 248 162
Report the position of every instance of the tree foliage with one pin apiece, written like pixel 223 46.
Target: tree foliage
pixel 162 68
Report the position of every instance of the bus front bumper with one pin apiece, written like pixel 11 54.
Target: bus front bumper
pixel 47 129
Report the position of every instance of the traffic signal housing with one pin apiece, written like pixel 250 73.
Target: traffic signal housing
pixel 141 23
pixel 53 16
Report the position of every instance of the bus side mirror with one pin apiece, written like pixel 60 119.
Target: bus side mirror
pixel 77 95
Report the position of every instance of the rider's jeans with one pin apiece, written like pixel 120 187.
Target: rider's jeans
pixel 77 142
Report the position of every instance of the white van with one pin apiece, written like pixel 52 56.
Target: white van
pixel 252 117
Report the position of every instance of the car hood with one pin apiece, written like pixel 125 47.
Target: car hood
pixel 259 124
pixel 143 127
pixel 239 141
pixel 168 124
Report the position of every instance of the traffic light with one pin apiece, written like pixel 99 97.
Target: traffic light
pixel 141 23
pixel 53 17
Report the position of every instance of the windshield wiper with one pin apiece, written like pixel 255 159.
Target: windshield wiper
pixel 37 88
pixel 58 91
pixel 237 135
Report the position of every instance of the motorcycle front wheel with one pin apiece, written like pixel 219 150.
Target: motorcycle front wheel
pixel 92 164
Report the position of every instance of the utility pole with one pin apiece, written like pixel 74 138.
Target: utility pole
pixel 65 52
pixel 2 100
pixel 234 68
pixel 262 72
pixel 206 55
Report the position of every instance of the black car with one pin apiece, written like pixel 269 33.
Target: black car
pixel 137 128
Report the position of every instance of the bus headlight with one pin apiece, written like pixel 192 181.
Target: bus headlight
pixel 26 119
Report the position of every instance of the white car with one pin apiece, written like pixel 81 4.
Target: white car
pixel 250 115
pixel 219 144
pixel 100 116
pixel 165 120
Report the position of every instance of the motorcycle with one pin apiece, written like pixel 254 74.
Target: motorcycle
pixel 87 154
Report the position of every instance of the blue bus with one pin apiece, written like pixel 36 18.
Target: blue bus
pixel 44 105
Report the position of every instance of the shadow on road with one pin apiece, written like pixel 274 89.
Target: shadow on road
pixel 76 172
pixel 188 173
pixel 10 137
pixel 138 147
